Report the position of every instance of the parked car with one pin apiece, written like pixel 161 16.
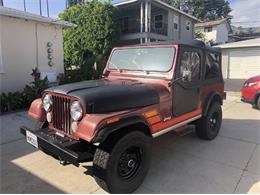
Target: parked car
pixel 251 91
pixel 146 91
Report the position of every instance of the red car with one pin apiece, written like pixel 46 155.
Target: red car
pixel 251 91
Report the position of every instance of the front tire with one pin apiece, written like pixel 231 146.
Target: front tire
pixel 209 125
pixel 121 167
pixel 258 102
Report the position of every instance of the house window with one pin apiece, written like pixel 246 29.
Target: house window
pixel 208 29
pixel 175 22
pixel 188 25
pixel 158 21
pixel 125 24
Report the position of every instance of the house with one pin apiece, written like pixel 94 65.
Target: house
pixel 241 60
pixel 215 31
pixel 145 21
pixel 28 41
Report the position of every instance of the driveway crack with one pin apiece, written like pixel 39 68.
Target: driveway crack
pixel 245 169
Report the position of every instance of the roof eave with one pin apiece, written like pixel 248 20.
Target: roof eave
pixel 9 12
pixel 160 2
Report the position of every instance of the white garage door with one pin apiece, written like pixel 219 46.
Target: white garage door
pixel 244 63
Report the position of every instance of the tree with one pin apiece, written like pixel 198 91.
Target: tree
pixel 73 2
pixel 91 41
pixel 216 9
pixel 203 9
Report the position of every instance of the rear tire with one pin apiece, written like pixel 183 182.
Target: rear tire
pixel 120 167
pixel 209 125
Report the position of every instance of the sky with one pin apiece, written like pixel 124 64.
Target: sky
pixel 245 12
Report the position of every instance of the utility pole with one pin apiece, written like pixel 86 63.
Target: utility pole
pixel 40 4
pixel 24 5
pixel 48 11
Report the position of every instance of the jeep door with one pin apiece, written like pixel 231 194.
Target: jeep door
pixel 186 93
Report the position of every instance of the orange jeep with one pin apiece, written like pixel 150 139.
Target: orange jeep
pixel 146 91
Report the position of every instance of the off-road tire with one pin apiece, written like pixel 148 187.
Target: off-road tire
pixel 208 126
pixel 108 158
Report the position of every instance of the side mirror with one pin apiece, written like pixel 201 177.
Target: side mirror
pixel 186 76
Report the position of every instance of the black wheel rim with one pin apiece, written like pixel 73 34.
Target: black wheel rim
pixel 213 121
pixel 129 162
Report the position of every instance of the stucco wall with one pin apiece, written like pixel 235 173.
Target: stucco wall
pixel 222 33
pixel 174 34
pixel 219 33
pixel 133 11
pixel 24 46
pixel 209 36
pixel 184 33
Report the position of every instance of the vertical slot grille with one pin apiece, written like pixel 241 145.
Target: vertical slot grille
pixel 61 113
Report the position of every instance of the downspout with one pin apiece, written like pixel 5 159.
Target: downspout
pixel 36 45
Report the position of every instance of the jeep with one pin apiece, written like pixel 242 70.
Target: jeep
pixel 145 91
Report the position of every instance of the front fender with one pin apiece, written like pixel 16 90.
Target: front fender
pixel 36 110
pixel 105 131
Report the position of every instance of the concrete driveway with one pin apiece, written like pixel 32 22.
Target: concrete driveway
pixel 180 164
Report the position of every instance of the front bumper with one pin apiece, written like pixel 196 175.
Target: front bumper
pixel 246 100
pixel 66 149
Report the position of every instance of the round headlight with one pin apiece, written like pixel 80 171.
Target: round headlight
pixel 76 111
pixel 47 103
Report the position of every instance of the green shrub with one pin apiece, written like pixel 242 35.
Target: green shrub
pixel 36 87
pixel 19 100
pixel 12 101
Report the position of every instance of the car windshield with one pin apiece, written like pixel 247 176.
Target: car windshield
pixel 142 59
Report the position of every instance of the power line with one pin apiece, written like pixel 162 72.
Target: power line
pixel 248 22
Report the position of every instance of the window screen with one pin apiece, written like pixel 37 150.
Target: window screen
pixel 212 65
pixel 188 25
pixel 208 29
pixel 191 61
pixel 176 22
pixel 158 21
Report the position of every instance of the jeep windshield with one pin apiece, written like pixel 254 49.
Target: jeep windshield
pixel 157 59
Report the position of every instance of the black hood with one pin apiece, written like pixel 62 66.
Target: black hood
pixel 101 96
